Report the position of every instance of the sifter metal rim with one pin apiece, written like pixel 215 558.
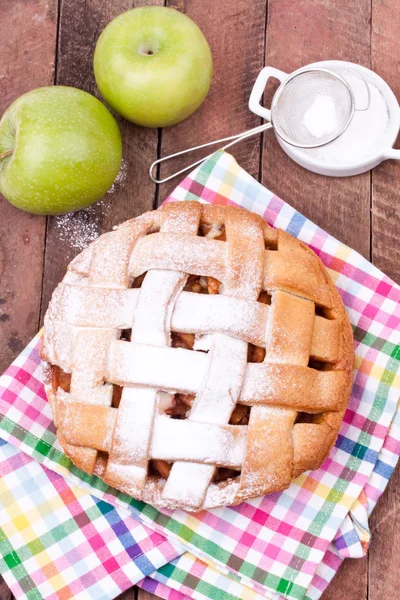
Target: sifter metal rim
pixel 279 92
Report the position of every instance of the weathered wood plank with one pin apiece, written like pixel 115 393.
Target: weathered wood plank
pixel 27 61
pixel 131 594
pixel 350 582
pixel 5 593
pixel 299 33
pixel 235 32
pixel 142 595
pixel 384 559
pixel 80 26
pixel 313 30
pixel 385 178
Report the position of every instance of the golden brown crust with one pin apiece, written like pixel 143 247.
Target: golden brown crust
pixel 316 344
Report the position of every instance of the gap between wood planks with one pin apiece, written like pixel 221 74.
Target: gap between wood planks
pixel 382 230
pixel 236 34
pixel 41 314
pixel 79 28
pixel 299 33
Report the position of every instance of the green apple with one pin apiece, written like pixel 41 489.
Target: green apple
pixel 153 66
pixel 60 150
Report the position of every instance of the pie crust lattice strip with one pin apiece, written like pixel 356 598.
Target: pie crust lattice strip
pixel 128 341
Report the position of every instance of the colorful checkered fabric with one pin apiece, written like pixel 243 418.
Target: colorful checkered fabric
pixel 191 577
pixel 58 541
pixel 284 545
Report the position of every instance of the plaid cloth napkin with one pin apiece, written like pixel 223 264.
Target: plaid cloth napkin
pixel 285 545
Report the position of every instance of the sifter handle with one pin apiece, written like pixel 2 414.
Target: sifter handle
pixel 232 139
pixel 258 90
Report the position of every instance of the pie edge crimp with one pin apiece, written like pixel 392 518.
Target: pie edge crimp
pixel 313 452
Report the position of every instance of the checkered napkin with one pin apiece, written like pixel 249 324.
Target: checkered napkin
pixel 65 534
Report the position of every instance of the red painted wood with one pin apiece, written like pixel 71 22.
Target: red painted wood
pixel 80 26
pixel 385 53
pixel 5 593
pixel 142 595
pixel 131 594
pixel 235 32
pixel 27 62
pixel 350 582
pixel 384 558
pixel 298 32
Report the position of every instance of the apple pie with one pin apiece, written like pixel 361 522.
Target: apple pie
pixel 195 357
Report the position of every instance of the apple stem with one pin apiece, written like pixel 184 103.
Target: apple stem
pixel 6 153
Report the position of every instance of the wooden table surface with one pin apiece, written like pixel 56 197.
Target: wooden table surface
pixel 52 41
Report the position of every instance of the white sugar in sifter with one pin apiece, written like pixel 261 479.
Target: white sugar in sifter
pixel 332 117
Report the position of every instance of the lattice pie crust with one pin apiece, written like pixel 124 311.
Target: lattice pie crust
pixel 195 357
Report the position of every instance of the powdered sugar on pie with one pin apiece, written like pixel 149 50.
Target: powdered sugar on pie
pixel 148 340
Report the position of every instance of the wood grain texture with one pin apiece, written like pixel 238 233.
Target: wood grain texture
pixel 385 53
pixel 384 556
pixel 350 582
pixel 5 593
pixel 27 61
pixel 131 594
pixel 80 26
pixel 384 559
pixel 299 33
pixel 142 595
pixel 134 594
pixel 235 31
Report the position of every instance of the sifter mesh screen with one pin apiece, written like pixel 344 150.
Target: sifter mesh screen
pixel 312 108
